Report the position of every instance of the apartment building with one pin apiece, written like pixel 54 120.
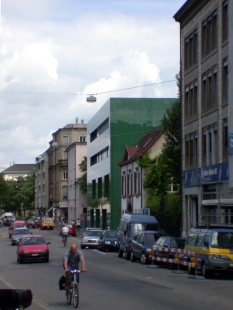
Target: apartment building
pixel 133 195
pixel 58 167
pixel 17 170
pixel 41 184
pixel 119 122
pixel 206 54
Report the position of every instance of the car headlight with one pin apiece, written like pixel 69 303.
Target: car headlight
pixel 25 252
pixel 218 257
pixel 148 250
pixel 107 242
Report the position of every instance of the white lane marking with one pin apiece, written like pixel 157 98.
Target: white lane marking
pixel 99 252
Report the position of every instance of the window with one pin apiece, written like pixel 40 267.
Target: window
pixel 204 154
pixel 100 156
pixel 209 34
pixel 65 140
pixel 123 185
pixel 93 189
pixel 65 175
pixel 225 140
pixel 99 187
pixel 209 89
pixel 65 155
pixel 215 144
pixel 82 138
pixel 225 21
pixel 129 183
pixel 225 81
pixel 137 181
pixel 64 192
pixel 190 50
pixel 210 147
pixel 191 100
pixel 99 130
pixel 106 185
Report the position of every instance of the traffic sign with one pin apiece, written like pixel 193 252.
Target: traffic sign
pixel 146 211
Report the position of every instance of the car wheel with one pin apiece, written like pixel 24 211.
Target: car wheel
pixel 171 266
pixel 99 248
pixel 132 257
pixel 143 258
pixel 206 273
pixel 20 260
pixel 120 253
pixel 103 248
pixel 47 259
pixel 82 247
pixel 12 243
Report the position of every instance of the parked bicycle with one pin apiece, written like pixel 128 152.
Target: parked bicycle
pixel 72 295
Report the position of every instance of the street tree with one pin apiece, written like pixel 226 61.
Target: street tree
pixel 83 179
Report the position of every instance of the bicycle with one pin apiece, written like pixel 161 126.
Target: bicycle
pixel 64 240
pixel 72 295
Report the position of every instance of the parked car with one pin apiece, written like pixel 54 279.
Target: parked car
pixel 18 233
pixel 36 222
pixel 90 228
pixel 32 248
pixel 47 223
pixel 170 243
pixel 108 241
pixel 8 221
pixel 142 243
pixel 130 225
pixel 30 223
pixel 14 225
pixel 72 229
pixel 91 240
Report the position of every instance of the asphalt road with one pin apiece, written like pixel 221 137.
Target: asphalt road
pixel 111 282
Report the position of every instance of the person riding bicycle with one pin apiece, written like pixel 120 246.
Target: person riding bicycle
pixel 64 232
pixel 72 257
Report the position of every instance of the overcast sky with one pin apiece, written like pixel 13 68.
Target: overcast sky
pixel 53 53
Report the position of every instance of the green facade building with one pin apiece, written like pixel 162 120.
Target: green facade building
pixel 119 122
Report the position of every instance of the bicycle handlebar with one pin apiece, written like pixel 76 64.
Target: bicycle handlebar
pixel 75 271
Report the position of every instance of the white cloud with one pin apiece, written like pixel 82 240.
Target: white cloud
pixel 56 51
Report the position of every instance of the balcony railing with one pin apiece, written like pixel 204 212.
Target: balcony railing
pixel 62 162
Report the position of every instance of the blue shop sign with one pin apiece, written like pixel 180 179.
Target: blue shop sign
pixel 210 174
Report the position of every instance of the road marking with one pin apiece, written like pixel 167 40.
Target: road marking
pixel 99 252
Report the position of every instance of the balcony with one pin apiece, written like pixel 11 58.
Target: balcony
pixel 62 163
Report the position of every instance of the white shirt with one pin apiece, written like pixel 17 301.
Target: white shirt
pixel 65 230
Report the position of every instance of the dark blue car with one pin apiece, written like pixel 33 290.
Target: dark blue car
pixel 142 244
pixel 108 241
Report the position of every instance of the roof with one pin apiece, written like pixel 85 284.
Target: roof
pixel 19 168
pixel 132 153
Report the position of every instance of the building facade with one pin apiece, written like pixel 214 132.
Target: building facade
pixel 133 195
pixel 58 167
pixel 119 122
pixel 41 184
pixel 17 170
pixel 77 201
pixel 206 43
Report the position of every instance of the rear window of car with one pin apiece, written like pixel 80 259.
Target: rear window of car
pixel 21 231
pixel 33 241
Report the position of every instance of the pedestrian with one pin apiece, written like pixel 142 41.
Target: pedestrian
pixel 78 224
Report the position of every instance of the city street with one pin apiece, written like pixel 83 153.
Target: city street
pixel 111 282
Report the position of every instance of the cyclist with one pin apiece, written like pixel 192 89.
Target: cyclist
pixel 65 232
pixel 72 257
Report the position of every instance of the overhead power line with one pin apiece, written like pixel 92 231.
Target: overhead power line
pixel 80 94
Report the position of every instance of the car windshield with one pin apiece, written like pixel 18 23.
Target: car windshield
pixel 47 219
pixel 21 231
pixel 151 238
pixel 33 241
pixel 222 240
pixel 110 234
pixel 95 233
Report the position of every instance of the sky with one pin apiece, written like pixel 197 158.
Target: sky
pixel 55 53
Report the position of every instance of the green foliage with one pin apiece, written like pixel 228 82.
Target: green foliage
pixel 20 194
pixel 4 190
pixel 171 148
pixel 83 179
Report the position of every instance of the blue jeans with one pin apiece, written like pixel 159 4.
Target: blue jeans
pixel 70 268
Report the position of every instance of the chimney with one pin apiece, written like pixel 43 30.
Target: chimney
pixel 76 120
pixel 82 121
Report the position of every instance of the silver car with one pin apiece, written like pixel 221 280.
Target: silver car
pixel 18 233
pixel 91 239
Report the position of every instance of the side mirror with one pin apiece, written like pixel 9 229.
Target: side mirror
pixel 48 242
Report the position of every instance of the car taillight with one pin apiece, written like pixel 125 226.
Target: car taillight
pixel 129 243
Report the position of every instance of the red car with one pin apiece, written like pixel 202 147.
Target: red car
pixel 72 229
pixel 32 248
pixel 37 223
pixel 16 224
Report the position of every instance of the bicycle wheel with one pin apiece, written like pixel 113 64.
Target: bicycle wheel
pixel 75 295
pixel 69 296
